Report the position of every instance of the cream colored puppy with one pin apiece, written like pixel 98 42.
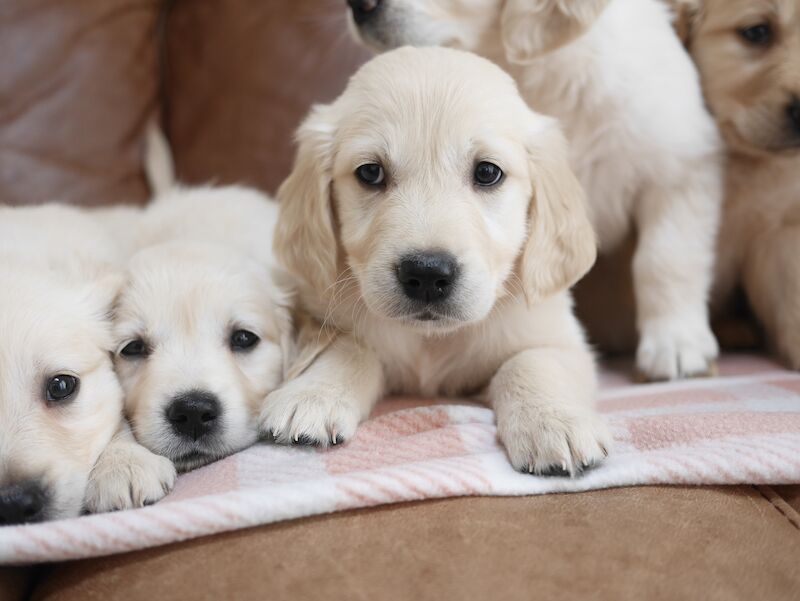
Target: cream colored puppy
pixel 203 326
pixel 748 52
pixel 433 219
pixel 642 143
pixel 64 445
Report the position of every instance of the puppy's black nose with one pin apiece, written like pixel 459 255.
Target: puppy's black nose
pixel 363 10
pixel 22 503
pixel 428 277
pixel 793 111
pixel 194 414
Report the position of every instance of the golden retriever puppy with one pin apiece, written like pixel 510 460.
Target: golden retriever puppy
pixel 432 218
pixel 642 143
pixel 64 445
pixel 202 326
pixel 748 53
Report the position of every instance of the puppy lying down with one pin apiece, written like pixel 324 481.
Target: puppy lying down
pixel 202 326
pixel 64 445
pixel 433 220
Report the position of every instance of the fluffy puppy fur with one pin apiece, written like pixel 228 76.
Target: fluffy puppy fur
pixel 203 327
pixel 64 445
pixel 425 122
pixel 748 53
pixel 642 143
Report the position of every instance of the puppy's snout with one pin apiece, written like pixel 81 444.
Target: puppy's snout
pixel 793 111
pixel 194 414
pixel 363 10
pixel 22 503
pixel 428 277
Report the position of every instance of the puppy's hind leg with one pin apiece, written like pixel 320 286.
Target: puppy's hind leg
pixel 672 272
pixel 127 475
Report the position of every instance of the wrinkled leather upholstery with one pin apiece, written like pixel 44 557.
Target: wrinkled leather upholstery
pixel 240 76
pixel 78 81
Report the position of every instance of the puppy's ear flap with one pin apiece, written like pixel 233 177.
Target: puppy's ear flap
pixel 101 287
pixel 687 13
pixel 531 28
pixel 305 239
pixel 561 244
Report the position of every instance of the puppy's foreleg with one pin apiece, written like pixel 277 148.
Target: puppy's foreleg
pixel 325 404
pixel 127 475
pixel 544 404
pixel 772 282
pixel 672 271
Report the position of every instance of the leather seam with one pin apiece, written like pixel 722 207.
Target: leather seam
pixel 774 499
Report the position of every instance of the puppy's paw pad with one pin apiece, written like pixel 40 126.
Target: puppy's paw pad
pixel 678 352
pixel 128 477
pixel 309 417
pixel 554 446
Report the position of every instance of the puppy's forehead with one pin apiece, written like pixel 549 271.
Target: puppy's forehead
pixel 740 11
pixel 430 89
pixel 173 291
pixel 45 328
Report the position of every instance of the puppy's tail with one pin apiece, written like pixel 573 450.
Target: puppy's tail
pixel 158 165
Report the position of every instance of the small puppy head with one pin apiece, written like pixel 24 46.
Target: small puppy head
pixel 60 401
pixel 202 335
pixel 438 188
pixel 518 30
pixel 748 53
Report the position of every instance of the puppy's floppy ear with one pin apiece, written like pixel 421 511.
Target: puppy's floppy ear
pixel 561 244
pixel 687 13
pixel 305 239
pixel 531 28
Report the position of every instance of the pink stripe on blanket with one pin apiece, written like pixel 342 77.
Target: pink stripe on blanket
pixel 668 398
pixel 396 438
pixel 664 431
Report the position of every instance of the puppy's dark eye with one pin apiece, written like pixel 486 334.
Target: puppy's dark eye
pixel 371 174
pixel 487 174
pixel 757 35
pixel 134 349
pixel 61 388
pixel 243 340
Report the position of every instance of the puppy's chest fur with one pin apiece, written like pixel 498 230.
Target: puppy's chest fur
pixel 463 362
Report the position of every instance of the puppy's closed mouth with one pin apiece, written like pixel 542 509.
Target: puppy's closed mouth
pixel 194 459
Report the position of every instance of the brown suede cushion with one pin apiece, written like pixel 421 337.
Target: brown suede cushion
pixel 77 84
pixel 632 543
pixel 240 76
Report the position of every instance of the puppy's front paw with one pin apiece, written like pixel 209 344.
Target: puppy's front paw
pixel 676 349
pixel 128 476
pixel 309 415
pixel 553 444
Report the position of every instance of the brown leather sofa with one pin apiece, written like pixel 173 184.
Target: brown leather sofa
pixel 79 80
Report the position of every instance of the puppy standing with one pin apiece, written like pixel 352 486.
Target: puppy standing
pixel 432 218
pixel 642 143
pixel 64 445
pixel 748 52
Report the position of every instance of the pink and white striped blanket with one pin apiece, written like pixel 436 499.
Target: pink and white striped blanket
pixel 741 427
